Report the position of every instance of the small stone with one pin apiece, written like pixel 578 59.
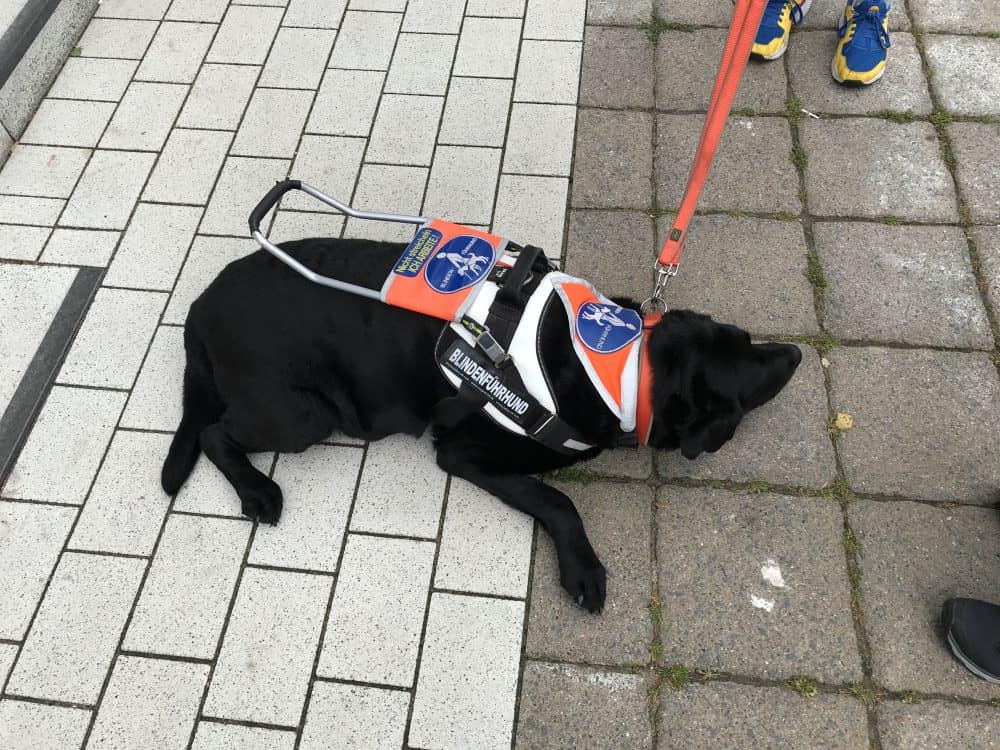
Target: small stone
pixel 843 421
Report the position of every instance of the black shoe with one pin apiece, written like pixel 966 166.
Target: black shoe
pixel 972 628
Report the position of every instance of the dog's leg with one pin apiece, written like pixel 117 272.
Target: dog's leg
pixel 259 495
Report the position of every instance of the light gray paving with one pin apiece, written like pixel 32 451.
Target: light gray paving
pixel 272 123
pixel 297 58
pixel 213 736
pixel 43 171
pixel 475 112
pixel 41 212
pixel 241 181
pixel 176 52
pixel 208 256
pixel 421 64
pixel 330 161
pixel 8 652
pixel 245 35
pixel 548 72
pixel 443 16
pixel 208 491
pixel 68 123
pixel 116 38
pixel 188 166
pixel 488 47
pixel 22 242
pixel 381 187
pixel 153 247
pixel 532 207
pixel 93 79
pixel 197 10
pixel 462 184
pixel 354 716
pixel 365 41
pixel 346 102
pixel 155 402
pixel 404 129
pixel 80 247
pixel 151 9
pixel 34 726
pixel 540 139
pixel 950 57
pixel 218 96
pixel 108 189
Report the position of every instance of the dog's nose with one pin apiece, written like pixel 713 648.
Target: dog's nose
pixel 795 353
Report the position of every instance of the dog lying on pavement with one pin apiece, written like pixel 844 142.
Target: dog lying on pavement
pixel 278 363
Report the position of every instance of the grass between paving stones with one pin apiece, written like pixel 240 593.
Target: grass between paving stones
pixel 822 342
pixel 910 696
pixel 893 221
pixel 803 686
pixel 814 271
pixel 851 544
pixel 799 157
pixel 839 490
pixel 793 110
pixel 656 619
pixel 745 112
pixel 677 676
pixel 900 118
pixel 865 694
pixel 578 474
pixel 656 26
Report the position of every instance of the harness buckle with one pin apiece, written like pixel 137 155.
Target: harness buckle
pixel 492 349
pixel 655 303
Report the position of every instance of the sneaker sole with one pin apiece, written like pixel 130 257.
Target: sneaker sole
pixel 754 56
pixel 969 664
pixel 851 83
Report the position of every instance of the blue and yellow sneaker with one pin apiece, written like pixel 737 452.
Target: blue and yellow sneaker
pixel 776 26
pixel 864 43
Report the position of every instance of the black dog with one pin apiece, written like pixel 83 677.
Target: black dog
pixel 277 363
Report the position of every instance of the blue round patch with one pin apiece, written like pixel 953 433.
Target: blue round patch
pixel 605 328
pixel 458 264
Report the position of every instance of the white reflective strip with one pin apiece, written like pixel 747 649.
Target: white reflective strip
pixel 524 348
pixel 576 445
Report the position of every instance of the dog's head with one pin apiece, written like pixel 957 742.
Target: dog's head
pixel 706 376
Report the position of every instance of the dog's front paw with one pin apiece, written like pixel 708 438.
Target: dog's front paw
pixel 585 579
pixel 262 502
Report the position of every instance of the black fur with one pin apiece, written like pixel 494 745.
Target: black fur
pixel 277 363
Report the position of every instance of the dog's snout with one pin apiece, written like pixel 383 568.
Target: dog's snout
pixel 795 353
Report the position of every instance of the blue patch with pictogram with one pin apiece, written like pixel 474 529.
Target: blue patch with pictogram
pixel 605 328
pixel 458 264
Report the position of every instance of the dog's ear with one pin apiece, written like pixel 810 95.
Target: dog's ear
pixel 712 421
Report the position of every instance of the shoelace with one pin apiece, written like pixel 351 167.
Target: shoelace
pixel 869 24
pixel 774 9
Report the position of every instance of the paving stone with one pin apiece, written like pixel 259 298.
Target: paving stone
pixel 310 14
pixel 387 6
pixel 318 487
pixel 116 38
pixel 468 673
pixel 31 537
pixel 155 403
pixel 894 395
pixel 208 256
pixel 569 706
pixel 475 112
pixel 329 162
pixel 386 188
pixel 151 9
pixel 176 52
pixel 346 102
pixel 404 129
pixel 112 340
pixel 912 558
pixel 632 463
pixel 212 736
pixel 909 284
pixel 555 19
pixel 488 48
pixel 208 491
pixel 354 716
pixel 149 703
pixel 43 171
pixel 191 581
pixel 721 613
pixel 401 489
pixel 766 289
pixel 784 442
pixel 245 35
pixel 496 8
pixel 548 72
pixel 152 251
pixel 614 160
pixel 294 225
pixel 93 79
pixel 365 41
pixel 218 97
pixel 903 88
pixel 977 169
pixel 275 627
pixel 987 241
pixel 951 58
pixel 68 123
pixel 532 209
pixel 28 210
pixel 827 16
pixel 272 123
pixel 720 714
pixel 34 726
pixel 617 520
pixel 188 166
pixel 373 631
pixel 241 184
pixel 758 146
pixel 964 16
pixel 108 189
pixel 540 139
pixel 617 68
pixel 210 11
pixel 444 16
pixel 80 247
pixel 932 723
pixel 297 58
pixel 22 243
pixel 421 64
pixel 462 184
pixel 611 249
pixel 686 66
pixel 65 446
pixel 75 633
pixel 8 652
pixel 632 12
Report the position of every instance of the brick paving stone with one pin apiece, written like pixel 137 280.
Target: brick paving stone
pixel 210 11
pixel 112 340
pixel 149 703
pixel 213 736
pixel 365 41
pixel 613 250
pixel 763 288
pixel 245 35
pixel 152 251
pixel 387 188
pixel 752 170
pixel 467 683
pixel 29 210
pixel 617 520
pixel 909 284
pixel 720 612
pixel 617 68
pixel 373 630
pixel 218 97
pixel 116 38
pixel 328 162
pixel 488 47
pixel 297 58
pixel 318 486
pixel 401 489
pixel 262 671
pixel 272 123
pixel 912 558
pixel 904 174
pixel 80 247
pixel 632 463
pixel 475 112
pixel 240 185
pixel 68 123
pixel 785 441
pixel 65 445
pixel 294 225
pixel 107 191
pixel 568 706
pixel 540 139
pixel 926 424
pixel 442 16
pixel 208 491
pixel 75 633
pixel 977 169
pixel 827 16
pixel 346 102
pixel 987 241
pixel 619 11
pixel 31 537
pixel 404 129
pixel 964 16
pixel 151 9
pixel 421 64
pixel 43 171
pixel 555 19
pixel 36 726
pixel 22 243
pixel 155 403
pixel 188 166
pixel 8 652
pixel 686 66
pixel 695 12
pixel 951 58
pixel 208 256
pixel 182 608
pixel 485 544
pixel 614 160
pixel 354 716
pixel 497 8
pixel 903 88
pixel 93 79
pixel 532 209
pixel 932 723
pixel 310 14
pixel 720 714
pixel 176 52
pixel 548 72
pixel 462 184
